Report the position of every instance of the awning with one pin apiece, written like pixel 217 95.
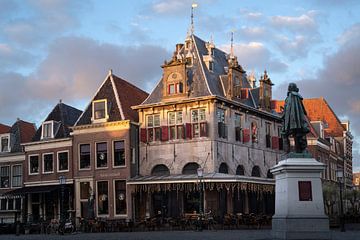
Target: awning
pixel 33 189
pixel 211 181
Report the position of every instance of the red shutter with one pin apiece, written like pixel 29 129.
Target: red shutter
pixel 143 137
pixel 246 135
pixel 244 93
pixel 188 131
pixel 164 133
pixel 275 142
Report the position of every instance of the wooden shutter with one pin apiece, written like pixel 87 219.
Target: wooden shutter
pixel 275 142
pixel 246 135
pixel 143 137
pixel 164 133
pixel 188 131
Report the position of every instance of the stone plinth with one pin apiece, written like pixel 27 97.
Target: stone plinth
pixel 299 205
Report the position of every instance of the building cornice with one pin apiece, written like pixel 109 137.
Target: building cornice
pixel 100 127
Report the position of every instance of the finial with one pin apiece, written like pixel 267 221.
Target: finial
pixel 60 100
pixel 211 39
pixel 232 44
pixel 18 119
pixel 194 5
pixel 110 71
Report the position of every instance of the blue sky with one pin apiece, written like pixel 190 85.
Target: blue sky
pixel 62 49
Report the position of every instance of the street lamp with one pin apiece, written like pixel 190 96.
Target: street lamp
pixel 200 173
pixel 340 176
pixel 62 181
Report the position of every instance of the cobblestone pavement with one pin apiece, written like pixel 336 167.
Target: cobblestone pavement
pixel 174 235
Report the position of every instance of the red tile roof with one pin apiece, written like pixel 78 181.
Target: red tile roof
pixel 27 131
pixel 4 128
pixel 318 110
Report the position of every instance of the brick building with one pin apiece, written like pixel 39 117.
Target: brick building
pixel 12 161
pixel 105 150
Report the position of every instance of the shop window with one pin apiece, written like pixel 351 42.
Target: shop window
pixel 63 161
pixel 120 195
pixel 48 163
pixel 119 153
pixel 153 127
pixel 103 197
pixel 5 177
pixel 198 123
pixel 33 164
pixel 176 127
pixel 16 175
pixel 84 156
pixel 101 155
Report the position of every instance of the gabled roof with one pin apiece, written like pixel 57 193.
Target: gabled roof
pixel 4 128
pixel 64 117
pixel 319 110
pixel 120 95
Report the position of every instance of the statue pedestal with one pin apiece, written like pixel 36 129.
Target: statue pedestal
pixel 299 205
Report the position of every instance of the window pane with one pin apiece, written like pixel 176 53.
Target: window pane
pixel 101 154
pixel 172 118
pixel 63 161
pixel 85 156
pixel 194 116
pixel 156 120
pixel 202 115
pixel 103 197
pixel 221 115
pixel 172 132
pixel 5 177
pixel 119 153
pixel 17 176
pixel 48 163
pixel 180 132
pixel 150 121
pixel 34 164
pixel 99 110
pixel 120 196
pixel 157 134
pixel 171 89
pixel 196 130
pixel 84 190
pixel 4 144
pixel 47 130
pixel 179 118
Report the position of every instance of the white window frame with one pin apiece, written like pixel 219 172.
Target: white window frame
pixel 29 165
pixel 153 127
pixel 12 175
pixel 97 200
pixel 107 155
pixel 100 120
pixel 176 124
pixel 79 157
pixel 113 155
pixel 58 164
pixel 9 176
pixel 52 129
pixel 43 163
pixel 8 137
pixel 198 122
pixel 114 199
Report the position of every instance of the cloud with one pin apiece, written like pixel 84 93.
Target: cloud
pixel 13 59
pixel 255 55
pixel 297 46
pixel 170 6
pixel 252 33
pixel 304 23
pixel 219 23
pixel 73 70
pixel 251 15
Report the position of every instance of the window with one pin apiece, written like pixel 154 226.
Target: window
pixel 176 127
pixel 199 124
pixel 86 200
pixel 240 170
pixel 153 127
pixel 211 66
pixel 212 51
pixel 3 203
pixel 119 153
pixel 222 129
pixel 10 204
pixel 190 168
pixel 101 155
pixel 254 132
pixel 175 88
pixel 5 177
pixel 179 87
pixel 255 171
pixel 103 197
pixel 100 110
pixel 120 197
pixel 160 170
pixel 223 168
pixel 238 136
pixel 47 130
pixel 48 163
pixel 268 136
pixel 5 144
pixel 18 204
pixel 84 156
pixel 63 161
pixel 16 176
pixel 171 88
pixel 33 164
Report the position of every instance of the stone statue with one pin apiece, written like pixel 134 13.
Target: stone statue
pixel 295 122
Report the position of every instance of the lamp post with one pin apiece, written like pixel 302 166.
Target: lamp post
pixel 200 173
pixel 340 175
pixel 62 181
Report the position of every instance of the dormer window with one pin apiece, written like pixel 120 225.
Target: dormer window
pixel 47 130
pixel 99 108
pixel 211 66
pixel 5 143
pixel 213 52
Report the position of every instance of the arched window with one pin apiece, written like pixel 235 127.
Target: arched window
pixel 190 168
pixel 255 171
pixel 223 168
pixel 240 170
pixel 269 174
pixel 160 170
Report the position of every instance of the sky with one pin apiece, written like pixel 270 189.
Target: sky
pixel 63 49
